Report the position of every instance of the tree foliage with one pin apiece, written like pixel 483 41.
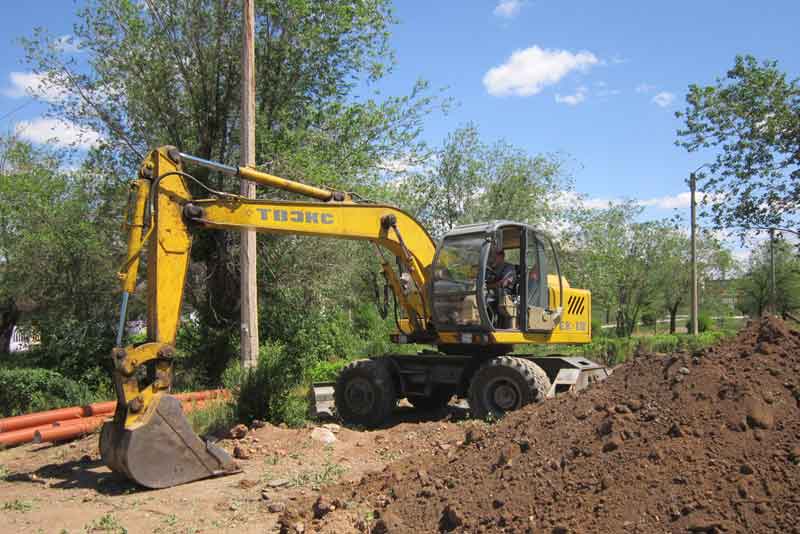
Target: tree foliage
pixel 58 257
pixel 756 284
pixel 750 121
pixel 472 181
pixel 168 72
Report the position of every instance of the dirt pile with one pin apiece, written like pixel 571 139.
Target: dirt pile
pixel 703 442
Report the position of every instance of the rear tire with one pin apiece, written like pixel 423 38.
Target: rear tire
pixel 505 384
pixel 436 401
pixel 365 393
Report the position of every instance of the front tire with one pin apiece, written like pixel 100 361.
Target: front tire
pixel 505 384
pixel 365 393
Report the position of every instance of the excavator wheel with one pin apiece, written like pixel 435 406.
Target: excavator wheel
pixel 504 384
pixel 163 450
pixel 365 393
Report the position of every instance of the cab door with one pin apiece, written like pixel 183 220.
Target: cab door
pixel 538 314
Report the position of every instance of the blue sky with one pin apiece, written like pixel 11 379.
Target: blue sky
pixel 597 81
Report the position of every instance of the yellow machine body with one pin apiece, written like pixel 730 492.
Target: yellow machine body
pixel 149 439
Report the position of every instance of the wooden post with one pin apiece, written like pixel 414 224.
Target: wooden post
pixel 693 188
pixel 773 303
pixel 249 316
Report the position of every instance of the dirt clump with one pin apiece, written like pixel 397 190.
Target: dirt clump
pixel 687 442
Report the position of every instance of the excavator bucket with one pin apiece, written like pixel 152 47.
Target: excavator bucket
pixel 150 440
pixel 162 450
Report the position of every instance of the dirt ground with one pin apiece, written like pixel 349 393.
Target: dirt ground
pixel 65 488
pixel 702 442
pixel 687 442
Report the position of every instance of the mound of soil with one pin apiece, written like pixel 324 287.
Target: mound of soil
pixel 703 442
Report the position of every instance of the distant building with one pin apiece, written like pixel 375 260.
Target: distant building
pixel 23 339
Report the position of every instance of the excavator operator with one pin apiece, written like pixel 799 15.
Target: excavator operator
pixel 502 278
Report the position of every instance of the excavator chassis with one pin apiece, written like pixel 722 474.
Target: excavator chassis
pixel 428 374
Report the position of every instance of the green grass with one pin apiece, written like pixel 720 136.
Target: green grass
pixel 329 473
pixel 18 505
pixel 107 523
pixel 613 350
pixel 214 418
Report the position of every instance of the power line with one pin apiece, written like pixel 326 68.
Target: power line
pixel 18 108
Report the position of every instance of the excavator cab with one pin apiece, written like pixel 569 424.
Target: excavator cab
pixel 495 276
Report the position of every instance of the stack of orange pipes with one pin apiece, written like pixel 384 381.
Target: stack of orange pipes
pixel 68 423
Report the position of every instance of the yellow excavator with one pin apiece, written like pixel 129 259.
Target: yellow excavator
pixel 484 289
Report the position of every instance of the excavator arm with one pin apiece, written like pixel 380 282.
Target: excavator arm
pixel 149 440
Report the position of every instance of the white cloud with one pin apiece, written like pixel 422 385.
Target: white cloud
pixel 528 71
pixel 24 84
pixel 58 132
pixel 668 202
pixel 603 93
pixel 67 44
pixel 681 200
pixel 663 99
pixel 400 164
pixel 508 8
pixel 644 88
pixel 575 99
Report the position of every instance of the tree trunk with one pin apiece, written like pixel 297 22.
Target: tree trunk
pixel 672 317
pixel 9 315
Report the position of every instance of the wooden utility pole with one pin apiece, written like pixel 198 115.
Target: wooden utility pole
pixel 692 189
pixel 773 308
pixel 249 325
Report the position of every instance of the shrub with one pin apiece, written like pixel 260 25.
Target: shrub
pixel 32 390
pixel 260 392
pixel 326 371
pixel 704 323
pixel 78 350
pixel 597 329
pixel 203 354
pixel 649 318
pixel 213 419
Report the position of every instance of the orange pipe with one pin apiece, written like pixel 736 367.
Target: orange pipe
pixel 17 437
pixel 98 408
pixel 84 426
pixel 80 427
pixel 71 428
pixel 40 418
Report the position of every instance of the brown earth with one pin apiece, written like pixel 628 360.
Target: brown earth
pixel 65 487
pixel 704 442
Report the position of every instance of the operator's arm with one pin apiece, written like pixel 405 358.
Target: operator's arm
pixel 503 278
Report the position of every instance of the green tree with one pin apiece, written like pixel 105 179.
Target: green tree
pixel 168 72
pixel 58 258
pixel 631 267
pixel 673 271
pixel 751 120
pixel 756 284
pixel 473 181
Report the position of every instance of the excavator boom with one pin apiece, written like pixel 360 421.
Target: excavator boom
pixel 149 440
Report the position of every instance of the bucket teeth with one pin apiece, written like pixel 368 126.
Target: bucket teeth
pixel 164 451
